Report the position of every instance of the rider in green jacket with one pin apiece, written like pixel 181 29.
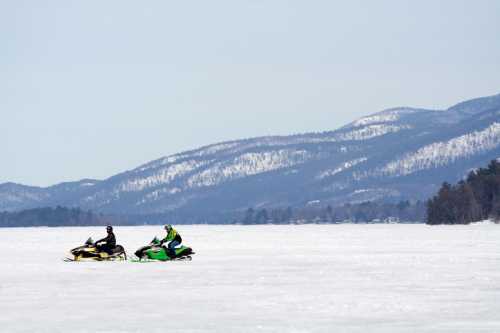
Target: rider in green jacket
pixel 174 238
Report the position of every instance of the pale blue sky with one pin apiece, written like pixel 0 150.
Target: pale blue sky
pixel 92 88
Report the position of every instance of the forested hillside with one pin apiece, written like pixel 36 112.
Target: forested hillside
pixel 474 199
pixel 395 155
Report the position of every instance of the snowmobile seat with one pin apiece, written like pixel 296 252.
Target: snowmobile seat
pixel 117 249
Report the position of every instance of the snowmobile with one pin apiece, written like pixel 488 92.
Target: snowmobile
pixel 90 252
pixel 155 252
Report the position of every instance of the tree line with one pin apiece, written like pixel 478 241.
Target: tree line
pixel 356 213
pixel 475 198
pixel 366 212
pixel 53 217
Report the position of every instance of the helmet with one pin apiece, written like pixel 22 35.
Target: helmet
pixel 168 227
pixel 109 228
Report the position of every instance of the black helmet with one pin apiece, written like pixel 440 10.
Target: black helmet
pixel 109 228
pixel 168 227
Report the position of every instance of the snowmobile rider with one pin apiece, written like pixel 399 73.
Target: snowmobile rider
pixel 109 242
pixel 174 238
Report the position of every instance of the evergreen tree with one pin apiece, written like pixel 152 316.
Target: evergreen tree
pixel 474 199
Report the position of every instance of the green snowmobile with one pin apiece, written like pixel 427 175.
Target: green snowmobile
pixel 155 252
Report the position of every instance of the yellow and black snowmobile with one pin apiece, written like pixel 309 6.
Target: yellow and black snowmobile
pixel 91 252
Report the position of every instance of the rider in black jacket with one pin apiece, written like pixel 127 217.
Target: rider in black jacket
pixel 109 242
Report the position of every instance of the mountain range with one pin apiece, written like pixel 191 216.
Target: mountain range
pixel 397 154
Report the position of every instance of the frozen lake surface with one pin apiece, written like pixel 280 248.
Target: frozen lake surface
pixel 308 278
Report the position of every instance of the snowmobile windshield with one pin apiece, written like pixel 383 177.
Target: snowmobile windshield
pixel 89 241
pixel 155 241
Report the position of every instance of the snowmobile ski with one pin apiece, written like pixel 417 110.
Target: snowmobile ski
pixel 147 260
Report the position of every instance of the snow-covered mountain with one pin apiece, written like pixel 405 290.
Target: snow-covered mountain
pixel 400 153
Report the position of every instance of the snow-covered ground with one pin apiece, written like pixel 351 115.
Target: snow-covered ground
pixel 310 278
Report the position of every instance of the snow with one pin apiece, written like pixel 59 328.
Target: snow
pixel 386 116
pixel 370 132
pixel 377 118
pixel 372 194
pixel 248 164
pixel 158 163
pixel 442 153
pixel 342 167
pixel 160 177
pixel 212 149
pixel 303 278
pixel 155 195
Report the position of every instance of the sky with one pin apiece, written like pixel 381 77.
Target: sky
pixel 92 88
